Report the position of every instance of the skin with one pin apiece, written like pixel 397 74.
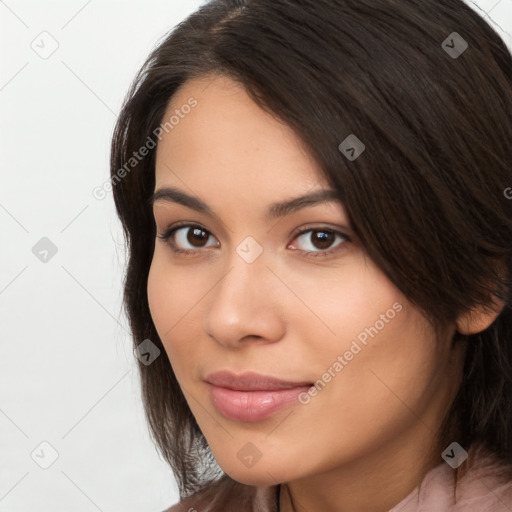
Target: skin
pixel 374 427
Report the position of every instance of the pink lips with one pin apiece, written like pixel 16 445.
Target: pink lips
pixel 251 396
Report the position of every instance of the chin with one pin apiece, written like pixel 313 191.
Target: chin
pixel 261 474
pixel 257 479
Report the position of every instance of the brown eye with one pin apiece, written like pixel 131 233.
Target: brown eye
pixel 187 238
pixel 196 236
pixel 322 239
pixel 318 242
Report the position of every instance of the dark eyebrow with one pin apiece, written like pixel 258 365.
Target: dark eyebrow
pixel 276 210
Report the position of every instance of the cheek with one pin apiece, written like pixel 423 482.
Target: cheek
pixel 164 305
pixel 174 297
pixel 386 346
pixel 170 292
pixel 346 303
pixel 157 295
pixel 393 374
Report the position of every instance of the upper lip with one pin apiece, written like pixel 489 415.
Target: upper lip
pixel 251 381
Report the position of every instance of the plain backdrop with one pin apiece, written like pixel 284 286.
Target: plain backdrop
pixel 73 435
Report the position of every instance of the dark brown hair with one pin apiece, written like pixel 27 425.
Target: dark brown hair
pixel 427 198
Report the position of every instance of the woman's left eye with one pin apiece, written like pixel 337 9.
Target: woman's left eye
pixel 322 239
pixel 316 241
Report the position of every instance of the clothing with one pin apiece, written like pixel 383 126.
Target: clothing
pixel 483 487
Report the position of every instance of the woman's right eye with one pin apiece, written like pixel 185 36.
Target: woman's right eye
pixel 193 235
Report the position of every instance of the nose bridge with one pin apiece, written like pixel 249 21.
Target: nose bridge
pixel 242 303
pixel 247 271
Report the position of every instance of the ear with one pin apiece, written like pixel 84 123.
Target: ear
pixel 479 318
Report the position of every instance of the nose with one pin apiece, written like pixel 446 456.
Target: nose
pixel 246 305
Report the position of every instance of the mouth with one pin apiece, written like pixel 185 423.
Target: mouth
pixel 251 381
pixel 252 397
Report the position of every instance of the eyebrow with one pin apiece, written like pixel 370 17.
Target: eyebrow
pixel 275 210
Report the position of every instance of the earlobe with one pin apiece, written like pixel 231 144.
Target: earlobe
pixel 478 319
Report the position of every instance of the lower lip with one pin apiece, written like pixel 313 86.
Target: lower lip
pixel 253 405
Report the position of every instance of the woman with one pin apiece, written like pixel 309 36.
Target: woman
pixel 314 196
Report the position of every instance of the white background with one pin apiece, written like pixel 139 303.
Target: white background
pixel 67 371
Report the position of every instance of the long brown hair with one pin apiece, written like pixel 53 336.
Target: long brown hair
pixel 429 198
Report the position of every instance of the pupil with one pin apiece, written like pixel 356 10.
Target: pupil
pixel 323 239
pixel 197 232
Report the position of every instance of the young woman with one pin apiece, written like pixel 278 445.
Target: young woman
pixel 317 202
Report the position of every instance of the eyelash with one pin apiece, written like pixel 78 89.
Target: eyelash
pixel 168 235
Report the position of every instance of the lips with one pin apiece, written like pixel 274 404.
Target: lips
pixel 251 381
pixel 252 397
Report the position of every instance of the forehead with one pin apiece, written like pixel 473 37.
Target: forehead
pixel 227 138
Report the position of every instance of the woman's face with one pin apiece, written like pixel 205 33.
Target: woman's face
pixel 282 292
